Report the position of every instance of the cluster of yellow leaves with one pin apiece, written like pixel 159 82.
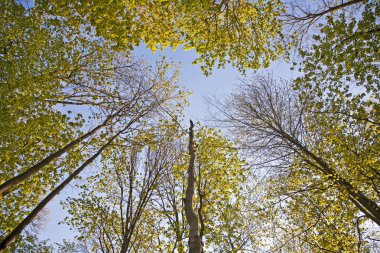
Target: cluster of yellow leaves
pixel 247 34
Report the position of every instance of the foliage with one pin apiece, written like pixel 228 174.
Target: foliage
pixel 244 33
pixel 48 66
pixel 30 243
pixel 29 128
pixel 312 143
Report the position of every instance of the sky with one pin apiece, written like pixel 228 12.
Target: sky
pixel 220 84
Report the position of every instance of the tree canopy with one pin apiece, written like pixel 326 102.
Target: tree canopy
pixel 294 166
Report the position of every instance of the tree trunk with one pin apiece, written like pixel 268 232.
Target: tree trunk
pixel 180 246
pixel 195 245
pixel 335 8
pixel 315 15
pixel 201 220
pixel 178 232
pixel 26 221
pixel 7 186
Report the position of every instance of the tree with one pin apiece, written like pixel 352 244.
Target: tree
pixel 220 177
pixel 218 197
pixel 346 95
pixel 112 212
pixel 276 124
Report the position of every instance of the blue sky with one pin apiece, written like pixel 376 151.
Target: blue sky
pixel 221 83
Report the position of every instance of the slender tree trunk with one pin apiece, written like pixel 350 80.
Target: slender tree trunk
pixel 337 7
pixel 178 233
pixel 180 247
pixel 7 186
pixel 195 245
pixel 201 220
pixel 314 15
pixel 27 220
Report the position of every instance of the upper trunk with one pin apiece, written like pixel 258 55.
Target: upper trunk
pixel 195 245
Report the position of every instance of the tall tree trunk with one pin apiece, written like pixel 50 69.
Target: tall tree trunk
pixel 7 186
pixel 201 219
pixel 132 219
pixel 195 245
pixel 27 220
